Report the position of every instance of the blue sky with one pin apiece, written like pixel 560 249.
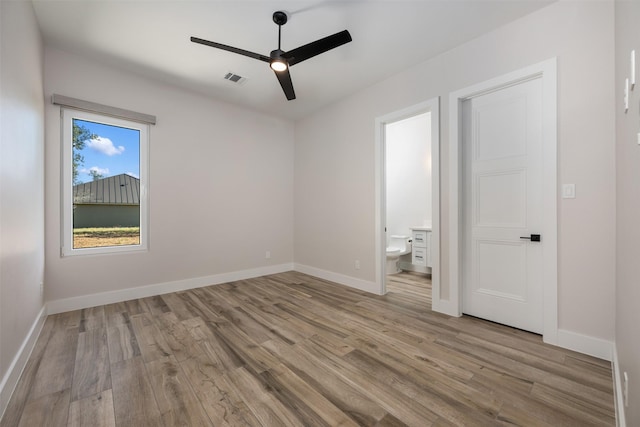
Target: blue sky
pixel 115 151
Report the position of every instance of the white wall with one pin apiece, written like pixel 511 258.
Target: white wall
pixel 221 191
pixel 628 206
pixel 408 174
pixel 334 189
pixel 21 183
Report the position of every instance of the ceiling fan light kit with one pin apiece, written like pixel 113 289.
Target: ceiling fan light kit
pixel 279 60
pixel 278 63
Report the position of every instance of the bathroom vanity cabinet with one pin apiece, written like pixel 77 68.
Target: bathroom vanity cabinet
pixel 421 246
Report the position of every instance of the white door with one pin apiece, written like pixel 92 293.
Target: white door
pixel 502 206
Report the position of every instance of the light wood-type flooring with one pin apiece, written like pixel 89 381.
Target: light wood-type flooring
pixel 293 350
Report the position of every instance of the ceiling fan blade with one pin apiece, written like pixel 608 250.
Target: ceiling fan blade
pixel 317 47
pixel 284 77
pixel 231 49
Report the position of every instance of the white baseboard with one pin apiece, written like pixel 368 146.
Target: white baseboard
pixel 10 380
pixel 617 389
pixel 445 307
pixel 408 266
pixel 341 279
pixel 595 347
pixel 93 300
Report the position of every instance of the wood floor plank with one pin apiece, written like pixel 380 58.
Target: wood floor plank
pixel 447 406
pixel 134 307
pixel 552 365
pixel 155 305
pixel 500 361
pixel 255 294
pixel 291 349
pixel 50 410
pixel 266 408
pixel 337 346
pixel 224 296
pixel 412 325
pixel 221 403
pixel 512 415
pixel 116 314
pixel 308 404
pixel 92 318
pixel 181 343
pixel 592 365
pixel 313 323
pixel 403 408
pixel 435 322
pixel 149 338
pixel 578 408
pixel 55 372
pixel 279 323
pixel 122 342
pixel 204 304
pixel 390 421
pixel 20 395
pixel 91 374
pixel 431 358
pixel 216 349
pixel 252 328
pixel 176 303
pixel 336 388
pixel 133 399
pixel 515 393
pixel 585 391
pixel 247 349
pixel 94 411
pixel 177 403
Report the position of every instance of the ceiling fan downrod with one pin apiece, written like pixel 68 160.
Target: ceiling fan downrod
pixel 280 18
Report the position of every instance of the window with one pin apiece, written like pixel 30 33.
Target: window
pixel 104 191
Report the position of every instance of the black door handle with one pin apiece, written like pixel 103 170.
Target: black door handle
pixel 533 238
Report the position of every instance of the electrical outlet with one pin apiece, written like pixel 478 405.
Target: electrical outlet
pixel 357 264
pixel 625 389
pixel 41 289
pixel 568 191
pixel 267 255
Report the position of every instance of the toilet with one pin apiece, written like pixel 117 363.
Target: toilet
pixel 398 245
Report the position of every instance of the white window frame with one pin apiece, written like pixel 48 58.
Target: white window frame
pixel 67 117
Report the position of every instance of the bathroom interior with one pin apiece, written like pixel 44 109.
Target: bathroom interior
pixel 408 189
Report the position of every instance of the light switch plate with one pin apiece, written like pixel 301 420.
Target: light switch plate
pixel 568 191
pixel 626 95
pixel 632 77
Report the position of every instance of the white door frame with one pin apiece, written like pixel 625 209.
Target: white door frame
pixel 545 70
pixel 431 106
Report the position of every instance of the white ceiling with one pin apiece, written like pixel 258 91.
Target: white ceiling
pixel 151 37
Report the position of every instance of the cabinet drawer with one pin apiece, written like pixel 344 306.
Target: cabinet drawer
pixel 419 256
pixel 419 238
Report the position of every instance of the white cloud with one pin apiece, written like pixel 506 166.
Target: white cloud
pixel 100 171
pixel 105 146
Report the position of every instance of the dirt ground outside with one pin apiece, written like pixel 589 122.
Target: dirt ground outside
pixel 102 237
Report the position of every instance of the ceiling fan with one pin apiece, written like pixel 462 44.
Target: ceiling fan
pixel 279 60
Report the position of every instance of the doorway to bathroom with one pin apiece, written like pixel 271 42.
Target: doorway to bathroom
pixel 408 202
